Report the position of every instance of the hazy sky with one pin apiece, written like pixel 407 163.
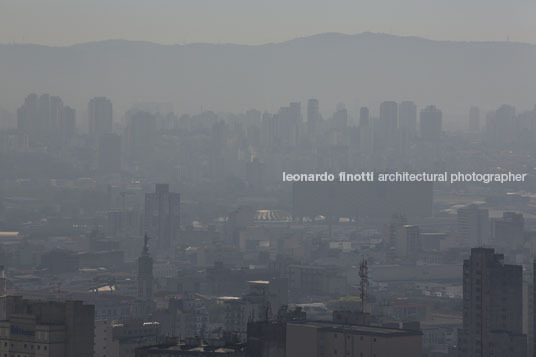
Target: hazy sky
pixel 63 22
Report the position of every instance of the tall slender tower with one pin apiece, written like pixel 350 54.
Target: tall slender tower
pixel 145 273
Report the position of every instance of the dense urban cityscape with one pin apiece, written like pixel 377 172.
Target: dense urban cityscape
pixel 175 235
pixel 301 178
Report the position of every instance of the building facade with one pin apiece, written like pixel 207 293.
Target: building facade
pixel 46 328
pixel 492 307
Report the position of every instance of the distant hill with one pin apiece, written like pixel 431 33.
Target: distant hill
pixel 361 69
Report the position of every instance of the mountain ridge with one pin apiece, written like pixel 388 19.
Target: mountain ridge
pixel 301 38
pixel 358 70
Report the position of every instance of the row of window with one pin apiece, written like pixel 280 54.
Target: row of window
pixel 31 346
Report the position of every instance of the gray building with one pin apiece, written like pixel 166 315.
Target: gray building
pixel 162 216
pixel 430 123
pixel 100 115
pixel 473 226
pixel 46 328
pixel 492 307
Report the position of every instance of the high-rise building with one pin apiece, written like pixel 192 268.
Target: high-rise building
pixel 45 120
pixel 46 328
pixel 474 120
pixel 528 309
pixel 100 115
pixel 364 116
pixel 55 118
pixel 287 124
pixel 473 226
pixel 508 232
pixel 492 307
pixel 430 123
pixel 162 216
pixel 365 132
pixel 313 115
pixel 408 242
pixel 500 125
pixel 44 112
pixel 27 116
pixel 268 130
pixel 340 118
pixel 67 125
pixel 387 129
pixel 407 119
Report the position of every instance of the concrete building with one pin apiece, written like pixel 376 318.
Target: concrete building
pixel 261 303
pixel 508 232
pixel 313 116
pixel 387 128
pixel 46 328
pixel 121 339
pixel 473 226
pixel 365 132
pixel 408 243
pixel 267 338
pixel 492 307
pixel 162 216
pixel 315 338
pixel 430 123
pixel 407 118
pixel 288 121
pixel 100 116
pixel 104 346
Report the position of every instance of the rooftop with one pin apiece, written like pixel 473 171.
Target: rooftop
pixel 358 330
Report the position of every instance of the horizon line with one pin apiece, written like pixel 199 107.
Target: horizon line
pixel 263 44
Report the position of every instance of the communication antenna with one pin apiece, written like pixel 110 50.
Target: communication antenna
pixel 363 274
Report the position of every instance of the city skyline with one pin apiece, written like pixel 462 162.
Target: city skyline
pixel 267 179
